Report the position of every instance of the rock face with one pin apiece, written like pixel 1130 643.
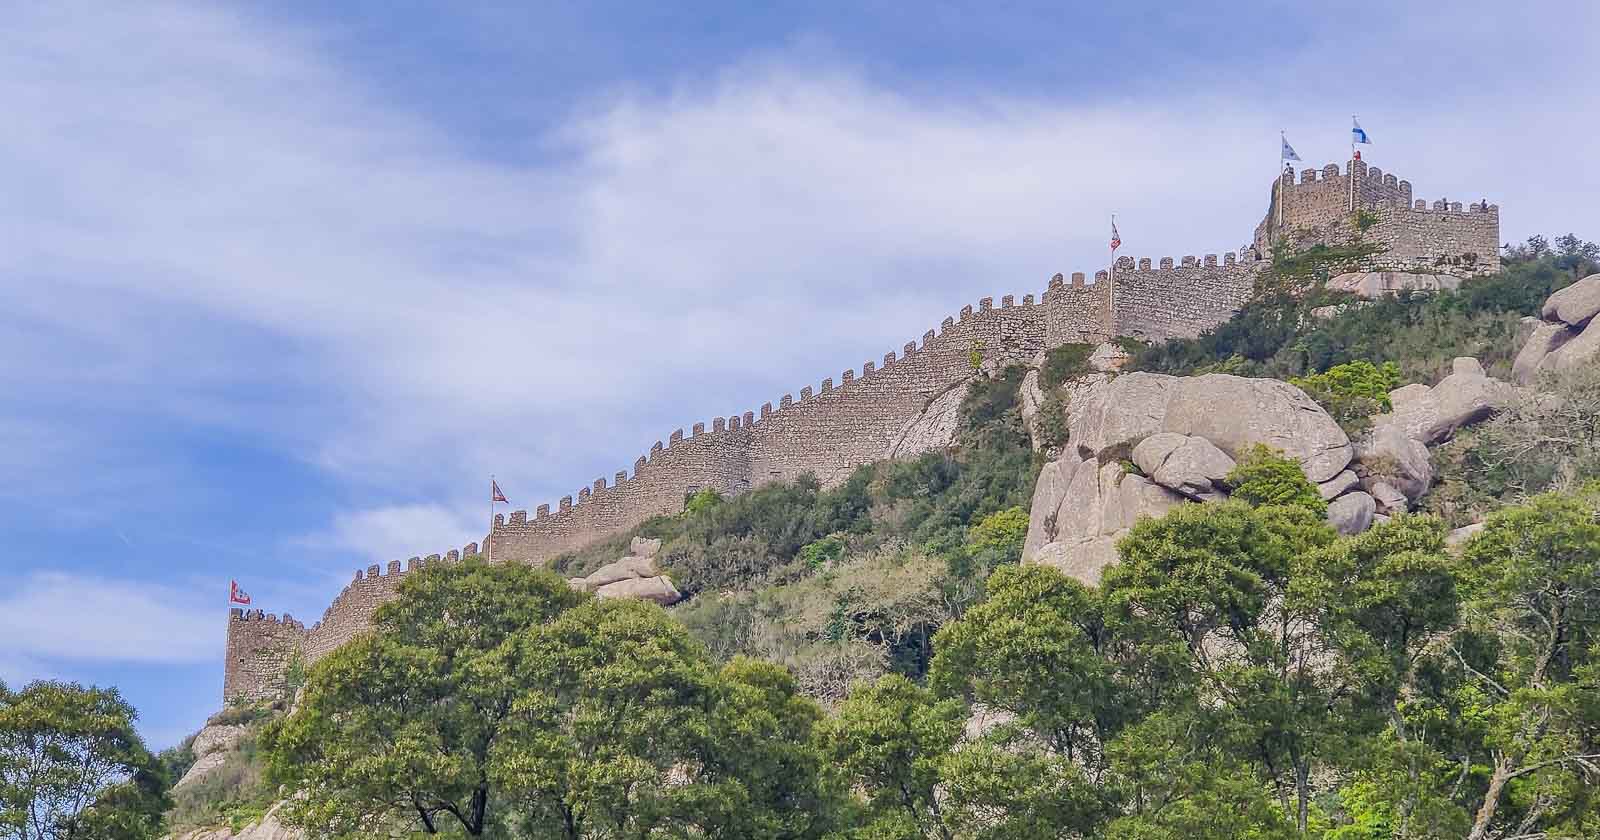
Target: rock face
pixel 1109 418
pixel 1352 513
pixel 1569 336
pixel 1432 415
pixel 634 576
pixel 1376 284
pixel 1081 508
pixel 934 428
pixel 210 747
pixel 1183 435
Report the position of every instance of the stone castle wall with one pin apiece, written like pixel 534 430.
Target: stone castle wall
pixel 830 430
pixel 1415 235
pixel 260 648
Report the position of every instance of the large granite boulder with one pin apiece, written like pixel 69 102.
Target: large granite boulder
pixel 1546 339
pixel 1433 415
pixel 1196 468
pixel 1576 304
pixel 210 747
pixel 1568 339
pixel 1082 560
pixel 1352 513
pixel 657 589
pixel 1108 419
pixel 1339 485
pixel 628 568
pixel 1388 455
pixel 1081 508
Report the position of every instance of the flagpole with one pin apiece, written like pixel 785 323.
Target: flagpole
pixel 1111 281
pixel 1277 180
pixel 1352 163
pixel 487 541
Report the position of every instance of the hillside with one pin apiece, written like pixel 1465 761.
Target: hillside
pixel 1368 482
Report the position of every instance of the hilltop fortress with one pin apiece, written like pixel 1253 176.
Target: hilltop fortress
pixel 831 429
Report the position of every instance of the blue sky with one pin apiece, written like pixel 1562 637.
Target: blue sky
pixel 280 285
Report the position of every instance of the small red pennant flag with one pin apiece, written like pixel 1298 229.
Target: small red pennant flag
pixel 237 595
pixel 494 492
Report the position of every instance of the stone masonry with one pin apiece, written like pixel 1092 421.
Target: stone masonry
pixel 835 426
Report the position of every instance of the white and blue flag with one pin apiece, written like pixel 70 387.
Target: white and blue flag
pixel 1357 133
pixel 1288 150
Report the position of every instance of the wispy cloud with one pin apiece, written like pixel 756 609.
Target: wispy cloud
pixel 66 617
pixel 392 533
pixel 253 235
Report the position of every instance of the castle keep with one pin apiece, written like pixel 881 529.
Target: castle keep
pixel 835 426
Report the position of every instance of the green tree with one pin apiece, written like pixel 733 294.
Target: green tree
pixel 1533 576
pixel 1201 600
pixel 1352 392
pixel 621 729
pixel 997 538
pixel 889 740
pixel 72 766
pixel 1265 476
pixel 395 730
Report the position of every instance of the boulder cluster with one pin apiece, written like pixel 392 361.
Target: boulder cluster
pixel 1142 443
pixel 1565 336
pixel 633 576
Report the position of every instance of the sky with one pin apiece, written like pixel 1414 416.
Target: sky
pixel 281 285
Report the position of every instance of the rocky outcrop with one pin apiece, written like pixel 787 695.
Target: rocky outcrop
pixel 1376 284
pixel 634 576
pixel 210 747
pixel 1390 457
pixel 1352 513
pixel 1433 415
pixel 1568 336
pixel 1181 437
pixel 933 429
pixel 1081 507
pixel 1109 418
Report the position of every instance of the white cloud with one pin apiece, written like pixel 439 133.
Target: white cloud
pixel 397 532
pixel 251 236
pixel 57 616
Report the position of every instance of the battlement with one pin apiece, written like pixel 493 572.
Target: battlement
pixel 831 427
pixel 1413 234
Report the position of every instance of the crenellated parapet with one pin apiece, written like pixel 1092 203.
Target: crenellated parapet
pixel 1414 234
pixel 831 427
pixel 826 429
pixel 261 645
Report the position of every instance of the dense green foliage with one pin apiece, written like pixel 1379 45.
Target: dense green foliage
pixel 1267 477
pixel 1548 440
pixel 1065 363
pixel 1278 335
pixel 496 701
pixel 1352 392
pixel 73 768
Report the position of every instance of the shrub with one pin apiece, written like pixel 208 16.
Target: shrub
pixel 702 500
pixel 1050 423
pixel 1066 363
pixel 1265 476
pixel 819 553
pixel 1352 392
pixel 1000 533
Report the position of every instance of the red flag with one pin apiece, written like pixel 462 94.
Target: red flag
pixel 237 595
pixel 494 492
pixel 1116 238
